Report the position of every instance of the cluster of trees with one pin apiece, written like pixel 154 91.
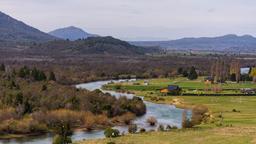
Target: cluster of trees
pixel 38 106
pixel 190 73
pixel 222 70
pixel 35 74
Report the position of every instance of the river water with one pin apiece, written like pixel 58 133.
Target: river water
pixel 165 115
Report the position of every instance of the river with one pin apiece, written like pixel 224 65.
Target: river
pixel 165 115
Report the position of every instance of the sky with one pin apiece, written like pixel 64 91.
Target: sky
pixel 139 19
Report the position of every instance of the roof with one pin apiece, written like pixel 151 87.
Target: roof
pixel 245 70
pixel 173 87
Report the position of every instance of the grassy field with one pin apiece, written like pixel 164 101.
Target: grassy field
pixel 238 126
pixel 242 131
pixel 188 86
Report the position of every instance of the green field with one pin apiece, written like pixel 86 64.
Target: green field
pixel 189 87
pixel 238 127
pixel 239 116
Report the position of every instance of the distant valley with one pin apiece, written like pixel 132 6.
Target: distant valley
pixel 230 43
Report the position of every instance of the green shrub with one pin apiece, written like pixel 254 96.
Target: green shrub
pixel 161 128
pixel 61 140
pixel 132 128
pixel 168 127
pixel 111 133
pixel 142 130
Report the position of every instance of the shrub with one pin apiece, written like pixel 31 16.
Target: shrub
pixel 142 130
pixel 161 128
pixel 124 119
pixel 111 133
pixel 199 114
pixel 111 143
pixel 132 128
pixel 152 121
pixel 61 140
pixel 7 113
pixel 168 127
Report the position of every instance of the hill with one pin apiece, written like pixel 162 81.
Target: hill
pixel 71 33
pixel 12 30
pixel 244 43
pixel 91 45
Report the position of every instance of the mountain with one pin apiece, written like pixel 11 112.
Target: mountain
pixel 245 43
pixel 91 45
pixel 12 30
pixel 71 33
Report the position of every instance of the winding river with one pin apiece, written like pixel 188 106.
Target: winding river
pixel 165 115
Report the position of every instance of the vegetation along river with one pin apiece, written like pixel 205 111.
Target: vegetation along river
pixel 165 115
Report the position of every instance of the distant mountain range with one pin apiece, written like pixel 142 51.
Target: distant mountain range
pixel 12 30
pixel 91 45
pixel 71 33
pixel 244 43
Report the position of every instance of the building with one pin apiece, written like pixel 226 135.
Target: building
pixel 171 90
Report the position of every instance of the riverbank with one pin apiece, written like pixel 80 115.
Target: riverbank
pixel 233 121
pixel 237 125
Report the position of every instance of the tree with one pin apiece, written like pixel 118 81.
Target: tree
pixel 2 67
pixel 192 74
pixel 180 70
pixel 253 74
pixel 185 73
pixel 52 76
pixel 64 132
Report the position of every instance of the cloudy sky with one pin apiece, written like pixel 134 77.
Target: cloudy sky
pixel 139 19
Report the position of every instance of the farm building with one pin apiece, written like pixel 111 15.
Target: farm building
pixel 171 90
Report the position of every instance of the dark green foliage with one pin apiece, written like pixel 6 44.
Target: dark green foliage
pixel 161 128
pixel 132 128
pixel 44 88
pixel 185 73
pixel 180 70
pixel 38 75
pixel 111 133
pixel 24 72
pixel 58 139
pixel 18 99
pixel 52 76
pixel 233 77
pixel 192 74
pixel 2 67
pixel 63 131
pixel 142 130
pixel 111 143
pixel 168 127
pixel 246 77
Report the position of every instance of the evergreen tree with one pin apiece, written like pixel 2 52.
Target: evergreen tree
pixel 2 67
pixel 52 76
pixel 192 74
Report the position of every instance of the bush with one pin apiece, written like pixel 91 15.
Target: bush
pixel 161 128
pixel 168 127
pixel 111 133
pixel 61 140
pixel 142 130
pixel 199 114
pixel 111 143
pixel 152 121
pixel 132 128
